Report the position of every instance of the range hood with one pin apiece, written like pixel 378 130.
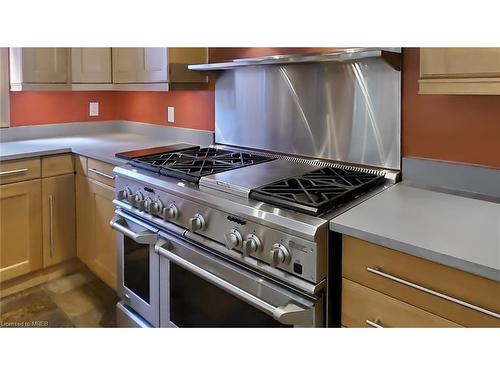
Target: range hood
pixel 390 56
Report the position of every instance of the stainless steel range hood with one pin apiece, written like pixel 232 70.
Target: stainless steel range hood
pixel 390 56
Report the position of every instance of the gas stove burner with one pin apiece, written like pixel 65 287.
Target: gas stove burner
pixel 317 192
pixel 192 164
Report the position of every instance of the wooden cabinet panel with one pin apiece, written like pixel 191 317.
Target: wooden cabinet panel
pixel 360 304
pixel 55 165
pixel 80 163
pixel 140 65
pixel 91 65
pixel 178 61
pixel 101 171
pixel 460 71
pixel 358 256
pixel 19 170
pixel 20 229
pixel 58 205
pixel 96 240
pixel 45 65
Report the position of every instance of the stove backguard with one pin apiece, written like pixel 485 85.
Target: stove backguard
pixel 347 111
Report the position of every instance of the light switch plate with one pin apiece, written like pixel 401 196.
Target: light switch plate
pixel 93 109
pixel 170 114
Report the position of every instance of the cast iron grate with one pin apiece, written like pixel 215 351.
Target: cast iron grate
pixel 317 192
pixel 190 165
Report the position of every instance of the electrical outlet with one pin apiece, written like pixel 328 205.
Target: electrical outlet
pixel 170 114
pixel 93 109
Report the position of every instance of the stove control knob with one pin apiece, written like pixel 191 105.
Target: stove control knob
pixel 233 239
pixel 279 254
pixel 138 200
pixel 148 205
pixel 252 244
pixel 197 223
pixel 125 194
pixel 157 208
pixel 171 212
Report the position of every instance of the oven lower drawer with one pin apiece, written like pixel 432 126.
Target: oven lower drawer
pixel 128 318
pixel 201 289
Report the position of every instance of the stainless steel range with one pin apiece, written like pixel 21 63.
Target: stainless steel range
pixel 226 236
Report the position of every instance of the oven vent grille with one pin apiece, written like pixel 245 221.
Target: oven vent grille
pixel 322 163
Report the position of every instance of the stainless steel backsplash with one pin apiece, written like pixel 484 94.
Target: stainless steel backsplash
pixel 337 111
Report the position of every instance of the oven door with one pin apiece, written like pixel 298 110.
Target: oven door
pixel 201 289
pixel 138 266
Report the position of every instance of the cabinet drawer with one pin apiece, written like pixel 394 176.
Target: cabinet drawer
pixel 100 171
pixel 57 165
pixel 365 307
pixel 19 170
pixel 410 279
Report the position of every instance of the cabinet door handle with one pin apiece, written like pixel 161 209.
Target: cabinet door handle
pixel 14 171
pixel 51 223
pixel 102 173
pixel 374 324
pixel 376 270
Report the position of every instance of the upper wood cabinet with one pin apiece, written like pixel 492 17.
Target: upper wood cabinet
pixel 39 68
pixel 466 71
pixel 161 68
pixel 148 69
pixel 90 65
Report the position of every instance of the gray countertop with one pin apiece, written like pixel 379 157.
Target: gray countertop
pixel 102 146
pixel 453 230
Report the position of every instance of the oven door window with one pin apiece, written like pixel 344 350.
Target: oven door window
pixel 195 302
pixel 136 268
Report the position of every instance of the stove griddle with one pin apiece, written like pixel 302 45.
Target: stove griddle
pixel 129 155
pixel 318 191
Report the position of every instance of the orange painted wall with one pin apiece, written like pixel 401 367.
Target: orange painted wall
pixel 33 108
pixel 193 109
pixel 458 128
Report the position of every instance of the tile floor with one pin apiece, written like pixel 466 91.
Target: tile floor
pixel 76 300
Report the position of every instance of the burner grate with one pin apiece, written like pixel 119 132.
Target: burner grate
pixel 192 164
pixel 317 192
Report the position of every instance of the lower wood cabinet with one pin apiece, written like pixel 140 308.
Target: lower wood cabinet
pixel 96 240
pixel 58 207
pixel 20 228
pixel 463 298
pixel 365 307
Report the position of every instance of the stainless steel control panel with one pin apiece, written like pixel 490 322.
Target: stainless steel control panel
pixel 281 250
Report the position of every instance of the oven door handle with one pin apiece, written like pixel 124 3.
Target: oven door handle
pixel 144 237
pixel 291 313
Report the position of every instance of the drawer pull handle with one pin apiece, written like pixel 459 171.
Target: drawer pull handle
pixel 374 324
pixel 377 271
pixel 51 221
pixel 14 171
pixel 102 174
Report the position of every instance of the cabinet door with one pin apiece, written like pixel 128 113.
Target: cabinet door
pixel 96 241
pixel 140 65
pixel 20 228
pixel 58 207
pixel 91 65
pixel 45 65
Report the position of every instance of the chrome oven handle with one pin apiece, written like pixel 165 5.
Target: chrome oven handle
pixel 290 313
pixel 145 237
pixel 377 271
